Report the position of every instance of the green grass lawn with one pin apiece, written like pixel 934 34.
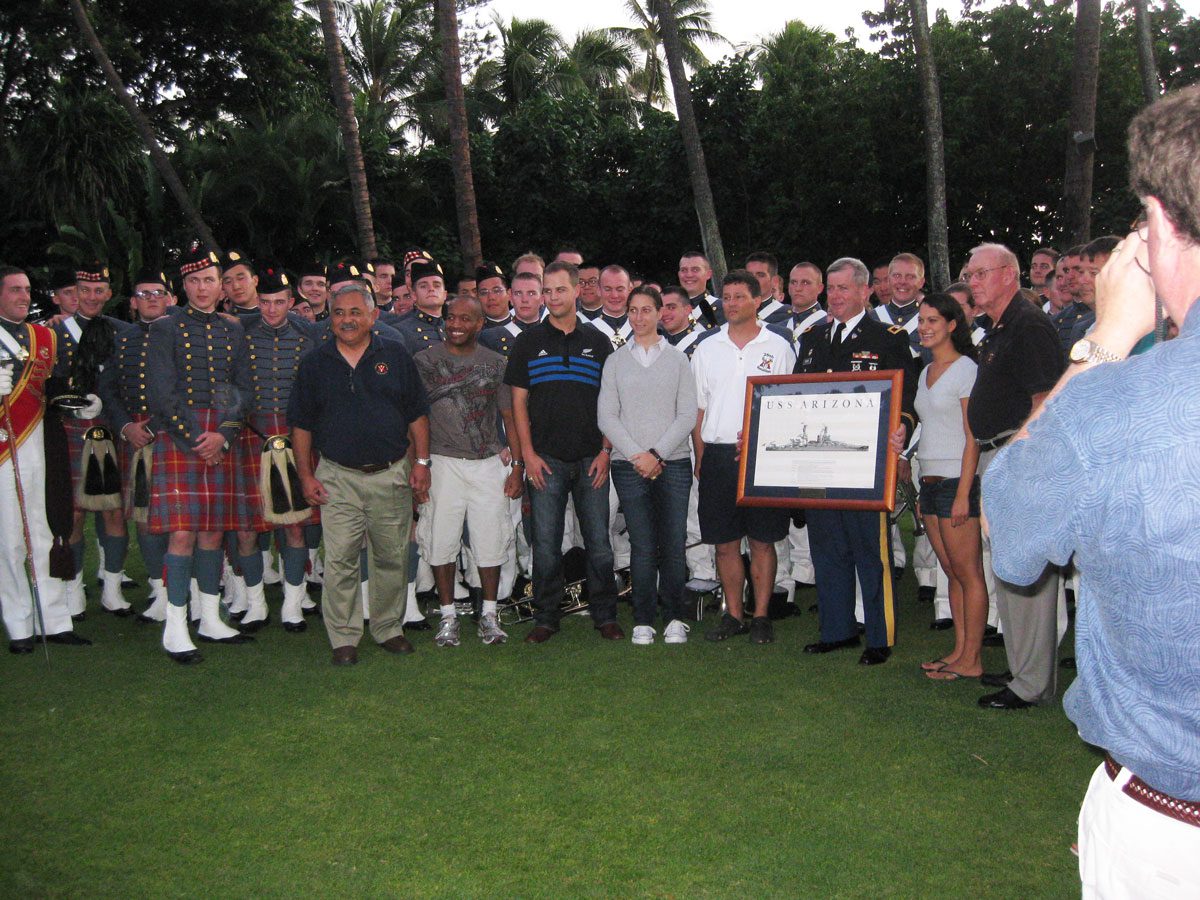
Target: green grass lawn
pixel 578 768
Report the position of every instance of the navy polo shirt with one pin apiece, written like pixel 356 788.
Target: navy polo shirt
pixel 358 416
pixel 562 374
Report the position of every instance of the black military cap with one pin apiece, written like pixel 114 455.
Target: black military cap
pixel 238 258
pixel 490 270
pixel 61 277
pixel 414 253
pixel 425 268
pixel 349 269
pixel 272 279
pixel 312 270
pixel 93 271
pixel 152 276
pixel 196 258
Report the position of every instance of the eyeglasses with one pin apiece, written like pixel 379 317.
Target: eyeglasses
pixel 146 295
pixel 980 273
pixel 589 281
pixel 493 292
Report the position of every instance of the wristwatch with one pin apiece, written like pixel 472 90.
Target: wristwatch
pixel 1084 350
pixel 422 461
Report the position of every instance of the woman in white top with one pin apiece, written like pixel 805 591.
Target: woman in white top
pixel 949 483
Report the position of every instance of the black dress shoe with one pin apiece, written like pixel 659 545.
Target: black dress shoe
pixel 295 627
pixel 418 625
pixel 70 638
pixel 239 615
pixel 186 657
pixel 1003 699
pixel 828 646
pixel 256 625
pixel 897 573
pixel 314 610
pixel 21 645
pixel 989 630
pixel 812 607
pixel 995 679
pixel 873 656
pixel 941 624
pixel 994 640
pixel 1067 662
pixel 78 617
pixel 234 639
pixel 926 593
pixel 119 613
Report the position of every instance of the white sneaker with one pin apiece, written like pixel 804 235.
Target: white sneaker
pixel 447 635
pixel 643 634
pixel 676 632
pixel 490 631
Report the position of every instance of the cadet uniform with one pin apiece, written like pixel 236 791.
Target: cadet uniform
pixel 419 330
pixel 849 542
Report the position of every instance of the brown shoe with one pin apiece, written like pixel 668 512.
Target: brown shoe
pixel 397 644
pixel 540 634
pixel 345 656
pixel 611 631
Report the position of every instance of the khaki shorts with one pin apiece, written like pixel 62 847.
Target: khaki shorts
pixel 469 491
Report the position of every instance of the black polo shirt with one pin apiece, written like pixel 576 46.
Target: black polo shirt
pixel 562 374
pixel 358 416
pixel 1020 357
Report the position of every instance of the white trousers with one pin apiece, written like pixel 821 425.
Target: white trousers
pixel 1127 850
pixel 16 599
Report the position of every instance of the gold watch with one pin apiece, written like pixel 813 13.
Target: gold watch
pixel 1084 350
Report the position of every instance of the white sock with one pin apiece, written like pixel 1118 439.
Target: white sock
pixel 489 607
pixel 449 612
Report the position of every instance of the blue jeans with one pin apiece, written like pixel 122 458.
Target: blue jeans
pixel 548 508
pixel 656 517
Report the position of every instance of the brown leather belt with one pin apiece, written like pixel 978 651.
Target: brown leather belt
pixel 372 468
pixel 1186 811
pixel 932 479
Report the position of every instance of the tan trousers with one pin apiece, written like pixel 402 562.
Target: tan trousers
pixel 379 507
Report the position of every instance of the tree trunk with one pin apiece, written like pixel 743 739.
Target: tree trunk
pixel 343 99
pixel 935 153
pixel 706 211
pixel 157 155
pixel 1081 131
pixel 460 143
pixel 1147 68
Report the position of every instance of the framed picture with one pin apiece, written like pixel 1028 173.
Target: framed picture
pixel 820 441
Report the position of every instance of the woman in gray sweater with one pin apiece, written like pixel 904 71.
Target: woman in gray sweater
pixel 647 409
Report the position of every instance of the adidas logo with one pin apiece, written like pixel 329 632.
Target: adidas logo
pixel 543 353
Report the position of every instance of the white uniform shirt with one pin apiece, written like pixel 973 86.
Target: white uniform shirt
pixel 721 370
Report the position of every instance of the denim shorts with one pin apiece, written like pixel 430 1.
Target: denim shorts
pixel 937 498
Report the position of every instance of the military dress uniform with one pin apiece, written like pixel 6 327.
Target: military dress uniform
pixel 502 337
pixel 419 330
pixel 846 543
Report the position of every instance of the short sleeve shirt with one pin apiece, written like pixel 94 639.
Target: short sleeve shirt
pixel 465 393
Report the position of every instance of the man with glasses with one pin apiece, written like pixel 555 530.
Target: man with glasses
pixel 1019 362
pixel 491 290
pixel 591 304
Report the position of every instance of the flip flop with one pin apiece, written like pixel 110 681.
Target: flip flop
pixel 935 665
pixel 945 674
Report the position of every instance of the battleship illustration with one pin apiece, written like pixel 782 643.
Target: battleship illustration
pixel 822 442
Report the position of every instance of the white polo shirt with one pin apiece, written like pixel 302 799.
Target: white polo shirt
pixel 721 370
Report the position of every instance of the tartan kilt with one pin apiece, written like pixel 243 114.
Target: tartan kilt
pixel 76 429
pixel 250 460
pixel 187 494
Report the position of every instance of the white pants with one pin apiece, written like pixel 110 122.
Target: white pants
pixel 701 557
pixel 469 491
pixel 15 597
pixel 1127 850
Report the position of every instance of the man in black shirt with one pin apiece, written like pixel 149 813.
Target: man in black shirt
pixel 359 402
pixel 1019 362
pixel 554 372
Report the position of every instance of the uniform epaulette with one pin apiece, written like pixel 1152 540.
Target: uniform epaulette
pixel 811 327
pixel 896 329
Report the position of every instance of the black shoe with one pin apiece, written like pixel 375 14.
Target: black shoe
pixel 418 625
pixel 994 640
pixel 234 639
pixel 926 593
pixel 78 617
pixel 761 630
pixel 295 627
pixel 941 624
pixel 70 638
pixel 989 630
pixel 314 610
pixel 186 657
pixel 128 583
pixel 257 625
pixel 1003 699
pixel 873 656
pixel 727 628
pixel 995 679
pixel 897 573
pixel 813 607
pixel 119 613
pixel 21 645
pixel 827 646
pixel 1067 662
pixel 238 616
pixel 313 587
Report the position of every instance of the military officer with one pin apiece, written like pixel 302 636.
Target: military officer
pixel 314 287
pixel 765 267
pixel 199 381
pixel 906 277
pixel 527 311
pixel 846 543
pixel 239 279
pixel 423 327
pixel 491 290
pixel 613 320
pixel 92 291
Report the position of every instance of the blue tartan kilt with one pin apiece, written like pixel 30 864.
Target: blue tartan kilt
pixel 188 494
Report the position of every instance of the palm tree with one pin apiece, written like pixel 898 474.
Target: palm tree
pixel 1081 127
pixel 694 22
pixel 460 145
pixel 343 99
pixel 935 152
pixel 390 55
pixel 600 63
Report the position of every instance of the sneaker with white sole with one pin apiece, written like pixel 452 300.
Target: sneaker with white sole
pixel 447 635
pixel 643 634
pixel 490 631
pixel 676 632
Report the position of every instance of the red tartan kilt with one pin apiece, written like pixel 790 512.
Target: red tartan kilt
pixel 76 429
pixel 187 494
pixel 250 453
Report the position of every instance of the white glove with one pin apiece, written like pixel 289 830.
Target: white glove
pixel 6 380
pixel 92 409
